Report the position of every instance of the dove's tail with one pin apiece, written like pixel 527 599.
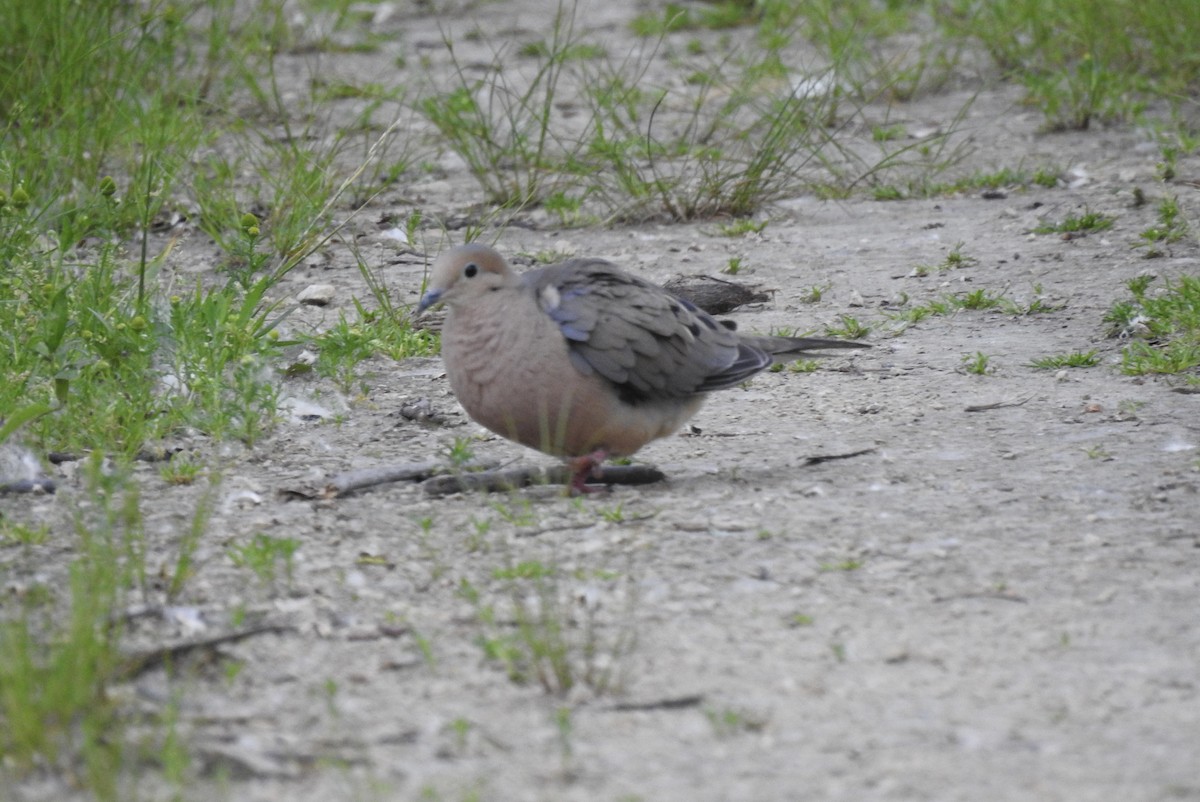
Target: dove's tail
pixel 780 346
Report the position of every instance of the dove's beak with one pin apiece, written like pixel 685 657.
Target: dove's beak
pixel 429 299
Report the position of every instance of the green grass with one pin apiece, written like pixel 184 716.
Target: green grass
pixel 61 653
pixel 529 626
pixel 978 364
pixel 736 129
pixel 1082 223
pixel 1171 227
pixel 980 300
pixel 112 355
pixel 264 556
pixel 849 327
pixel 1075 359
pixel 954 260
pixel 1164 327
pixel 1082 61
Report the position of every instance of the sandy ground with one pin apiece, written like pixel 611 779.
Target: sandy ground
pixel 995 603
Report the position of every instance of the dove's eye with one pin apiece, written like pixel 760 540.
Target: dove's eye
pixel 471 270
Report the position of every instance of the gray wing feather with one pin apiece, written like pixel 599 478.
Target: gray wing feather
pixel 638 335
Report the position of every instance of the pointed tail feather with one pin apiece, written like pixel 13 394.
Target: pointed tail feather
pixel 800 345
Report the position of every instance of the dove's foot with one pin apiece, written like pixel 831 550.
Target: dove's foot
pixel 584 468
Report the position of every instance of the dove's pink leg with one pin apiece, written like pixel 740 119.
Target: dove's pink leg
pixel 584 468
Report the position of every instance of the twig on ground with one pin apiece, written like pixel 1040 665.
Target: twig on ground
pixel 492 481
pixel 670 703
pixel 352 481
pixel 997 405
pixel 818 459
pixel 137 664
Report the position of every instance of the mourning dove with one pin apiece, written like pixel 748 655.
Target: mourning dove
pixel 581 359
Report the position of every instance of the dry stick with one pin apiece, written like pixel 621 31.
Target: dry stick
pixel 997 405
pixel 138 664
pixel 351 481
pixel 817 460
pixel 493 481
pixel 670 703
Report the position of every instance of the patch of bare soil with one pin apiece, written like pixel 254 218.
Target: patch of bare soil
pixel 999 601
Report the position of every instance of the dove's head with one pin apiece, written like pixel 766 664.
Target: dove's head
pixel 465 273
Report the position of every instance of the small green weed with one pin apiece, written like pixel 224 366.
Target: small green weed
pixel 1171 227
pixel 815 293
pixel 23 534
pixel 741 227
pixel 979 299
pixel 1075 359
pixel 728 722
pixel 1171 318
pixel 181 469
pixel 1047 177
pixel 849 564
pixel 886 133
pixel 1083 223
pixel 978 364
pixel 460 451
pixel 552 639
pixel 343 346
pixel 264 554
pixel 849 327
pixel 955 260
pixel 61 653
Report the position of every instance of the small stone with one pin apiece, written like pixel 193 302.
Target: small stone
pixel 316 295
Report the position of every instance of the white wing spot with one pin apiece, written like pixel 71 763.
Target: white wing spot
pixel 550 297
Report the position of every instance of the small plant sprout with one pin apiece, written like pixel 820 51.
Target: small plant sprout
pixel 886 133
pixel 554 636
pixel 181 470
pixel 1166 167
pixel 804 366
pixel 977 364
pixel 742 226
pixel 954 260
pixel 613 515
pixel 848 564
pixel 1170 228
pixel 849 327
pixel 459 452
pixel 24 534
pixel 1046 177
pixel 1077 224
pixel 1163 329
pixel 733 267
pixel 264 554
pixel 1075 359
pixel 814 293
pixel 728 722
pixel 979 299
